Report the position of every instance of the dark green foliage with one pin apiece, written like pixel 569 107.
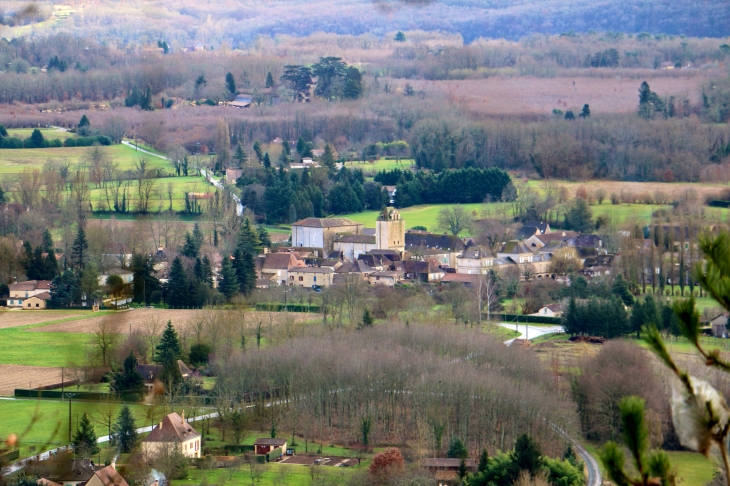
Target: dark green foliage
pixel 229 282
pixel 267 161
pixel 3 131
pixel 170 376
pixel 248 239
pixel 569 115
pixel 526 455
pixel 400 37
pixel 125 433
pixel 169 343
pixel 199 353
pixel 649 102
pixel 257 150
pixel 200 81
pixel 178 287
pixel 343 199
pixel 2 196
pixel 607 58
pixel 585 112
pixel 264 237
pixel 328 158
pixel 47 240
pixel 240 156
pixel 578 217
pixel 84 126
pixel 605 318
pixel 245 271
pixel 329 71
pixel 621 288
pixel 353 84
pixel 146 102
pixel 367 319
pixel 144 283
pixel 231 84
pixel 78 250
pixel 269 80
pixel 299 78
pixel 129 379
pixel 483 461
pixel 84 439
pixel 457 449
pixel 190 249
pixel 64 290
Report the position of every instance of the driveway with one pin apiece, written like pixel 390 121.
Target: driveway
pixel 530 331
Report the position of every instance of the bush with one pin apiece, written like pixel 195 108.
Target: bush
pixel 69 142
pixel 11 143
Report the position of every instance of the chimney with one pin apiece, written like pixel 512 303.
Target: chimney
pixel 183 415
pixel 160 426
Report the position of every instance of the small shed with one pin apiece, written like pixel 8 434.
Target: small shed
pixel 264 445
pixel 718 326
pixel 36 302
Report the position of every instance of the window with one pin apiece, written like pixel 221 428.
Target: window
pixel 301 279
pixel 315 278
pixel 37 305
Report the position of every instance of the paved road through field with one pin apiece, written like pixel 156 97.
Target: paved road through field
pixel 530 332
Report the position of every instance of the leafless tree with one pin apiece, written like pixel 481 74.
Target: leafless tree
pixel 454 219
pixel 105 337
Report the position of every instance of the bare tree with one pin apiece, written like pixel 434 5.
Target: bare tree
pixel 454 219
pixel 105 337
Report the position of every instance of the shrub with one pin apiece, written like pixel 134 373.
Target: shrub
pixel 615 199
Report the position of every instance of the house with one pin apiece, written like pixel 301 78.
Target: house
pixel 550 310
pixel 526 232
pixel 476 260
pixel 719 324
pixel 542 227
pixel 317 153
pixel 116 255
pixel 36 302
pixel 467 280
pixel 311 277
pixel 358 267
pixel 173 430
pixel 241 101
pixel 151 373
pixel 667 65
pixel 20 291
pixel 391 193
pixel 352 246
pixel 441 257
pixel 160 260
pixel 321 232
pixel 265 445
pixel 425 271
pixel 385 277
pixel 84 472
pixel 232 175
pixel 516 251
pixel 537 241
pixel 276 267
pixel 446 470
pixel 127 276
pixel 417 240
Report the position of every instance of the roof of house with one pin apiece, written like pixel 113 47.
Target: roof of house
pixel 375 260
pixel 43 296
pixel 109 476
pixel 358 266
pixel 265 441
pixel 555 307
pixel 364 239
pixel 74 470
pixel 447 463
pixel 475 252
pixel 279 261
pixel 325 222
pixel 526 232
pixel 173 428
pixel 459 278
pixel 387 273
pixel 313 270
pixel 30 285
pixel 413 266
pixel 393 255
pixel 540 225
pixel 515 247
pixel 430 240
pixel 590 241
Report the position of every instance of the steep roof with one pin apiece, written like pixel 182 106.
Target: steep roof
pixel 325 222
pixel 430 240
pixel 109 476
pixel 358 266
pixel 475 252
pixel 270 442
pixel 526 232
pixel 43 296
pixel 542 226
pixel 279 261
pixel 30 285
pixel 172 429
pixel 365 239
pixel 515 247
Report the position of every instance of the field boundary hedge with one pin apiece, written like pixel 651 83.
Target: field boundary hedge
pixel 279 307
pixel 531 319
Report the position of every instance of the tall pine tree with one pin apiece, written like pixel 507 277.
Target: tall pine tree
pixel 84 439
pixel 78 250
pixel 125 431
pixel 248 239
pixel 169 342
pixel 245 271
pixel 178 287
pixel 229 281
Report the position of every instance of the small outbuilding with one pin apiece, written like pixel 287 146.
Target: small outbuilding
pixel 264 445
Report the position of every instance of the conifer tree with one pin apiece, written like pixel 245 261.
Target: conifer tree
pixel 78 250
pixel 267 161
pixel 125 433
pixel 229 281
pixel 240 156
pixel 264 237
pixel 231 84
pixel 170 376
pixel 47 241
pixel 84 439
pixel 269 80
pixel 248 239
pixel 169 342
pixel 245 271
pixel 129 379
pixel 178 291
pixel 257 151
pixel 367 319
pixel 483 461
pixel 328 158
pixel 621 288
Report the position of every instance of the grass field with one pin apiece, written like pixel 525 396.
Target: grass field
pixel 15 160
pixel 51 424
pixel 382 164
pixel 48 133
pixel 425 215
pixel 159 200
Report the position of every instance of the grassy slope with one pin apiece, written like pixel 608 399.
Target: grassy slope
pixel 159 200
pixel 48 133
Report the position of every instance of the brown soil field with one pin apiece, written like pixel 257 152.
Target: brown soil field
pixel 674 190
pixel 15 376
pixel 139 319
pixel 529 95
pixel 23 318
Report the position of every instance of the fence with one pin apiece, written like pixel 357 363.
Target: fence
pixel 278 307
pixel 78 395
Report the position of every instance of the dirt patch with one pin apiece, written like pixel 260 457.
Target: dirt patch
pixel 16 376
pixel 526 95
pixel 145 319
pixel 322 461
pixel 24 318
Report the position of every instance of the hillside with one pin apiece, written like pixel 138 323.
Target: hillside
pixel 211 23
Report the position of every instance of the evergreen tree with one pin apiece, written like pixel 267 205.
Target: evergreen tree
pixel 267 161
pixel 206 272
pixel 169 342
pixel 143 283
pixel 257 151
pixel 248 239
pixel 571 319
pixel 199 353
pixel 84 127
pixel 240 156
pixel 50 266
pixel 483 461
pixel 170 376
pixel 569 115
pixel 353 84
pixel 367 319
pixel 621 288
pixel 129 379
pixel 178 288
pixel 579 217
pixel 231 84
pixel 328 158
pixel 400 37
pixel 264 238
pixel 125 433
pixel 197 236
pixel 64 290
pixel 2 196
pixel 84 439
pixel 47 241
pixel 146 103
pixel 457 449
pixel 37 140
pixel 269 80
pixel 190 248
pixel 79 247
pixel 229 282
pixel 89 283
pixel 585 112
pixel 301 146
pixel 245 271
pixel 526 455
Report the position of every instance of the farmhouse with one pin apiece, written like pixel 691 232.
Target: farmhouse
pixel 266 445
pixel 174 431
pixel 276 266
pixel 446 470
pixel 419 241
pixel 719 324
pixel 550 310
pixel 232 175
pixel 36 302
pixel 22 290
pixel 322 232
pixel 116 255
pixel 84 472
pixel 311 276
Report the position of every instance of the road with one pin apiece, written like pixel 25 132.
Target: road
pixel 532 331
pixel 205 173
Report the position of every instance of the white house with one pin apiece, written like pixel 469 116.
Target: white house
pixel 173 430
pixel 22 290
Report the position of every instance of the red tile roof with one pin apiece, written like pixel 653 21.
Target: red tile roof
pixel 172 429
